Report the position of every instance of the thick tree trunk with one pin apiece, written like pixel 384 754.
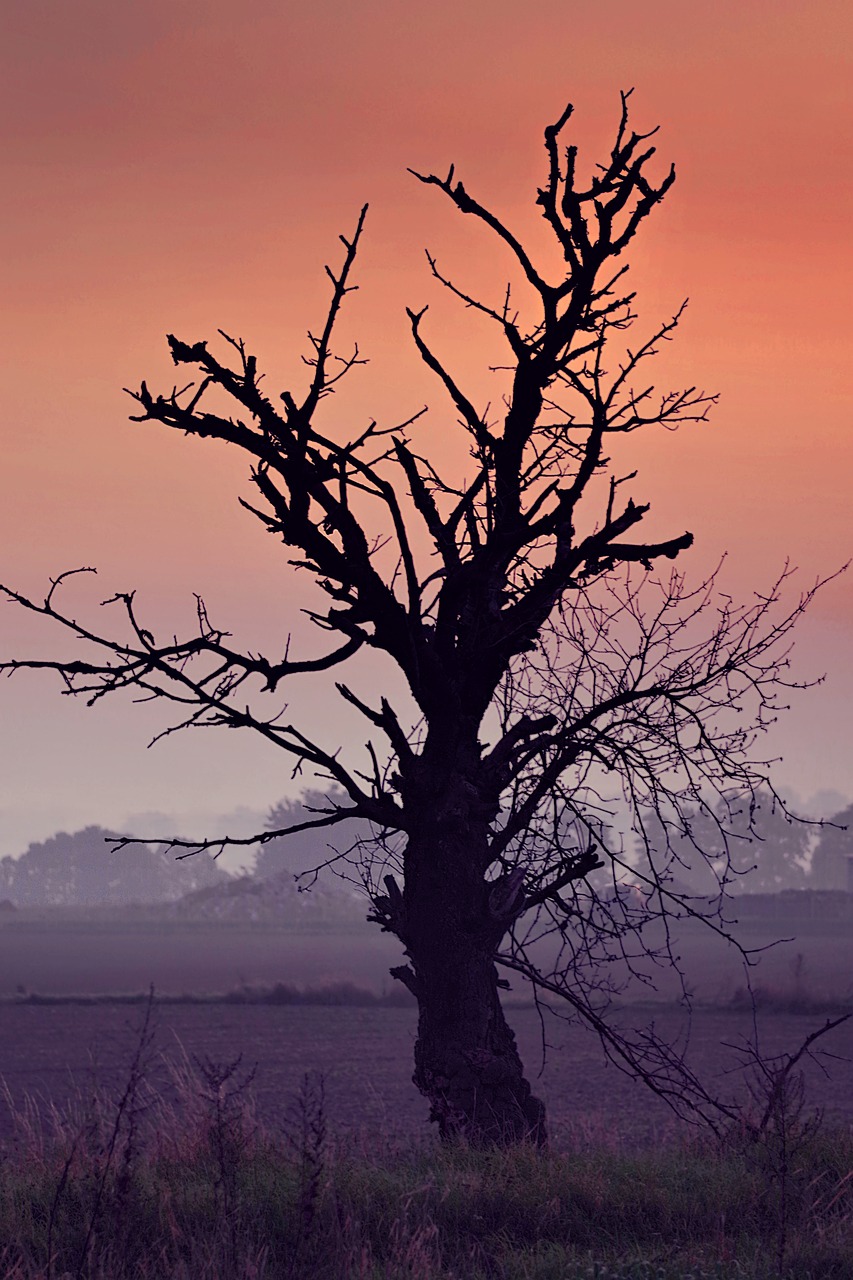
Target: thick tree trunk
pixel 466 1059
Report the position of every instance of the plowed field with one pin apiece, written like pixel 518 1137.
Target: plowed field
pixel 56 1052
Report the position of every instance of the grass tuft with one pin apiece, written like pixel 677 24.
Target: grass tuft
pixel 193 1187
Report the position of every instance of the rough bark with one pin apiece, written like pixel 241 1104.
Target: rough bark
pixel 466 1060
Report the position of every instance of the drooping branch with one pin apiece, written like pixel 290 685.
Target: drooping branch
pixel 643 1055
pixel 663 707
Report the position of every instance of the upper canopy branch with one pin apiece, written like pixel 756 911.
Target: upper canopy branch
pixel 466 204
pixel 472 420
pixel 529 499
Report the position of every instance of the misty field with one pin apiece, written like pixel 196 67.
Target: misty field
pixel 62 954
pixel 88 957
pixel 54 1050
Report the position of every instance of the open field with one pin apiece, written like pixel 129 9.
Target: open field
pixel 366 1053
pixel 205 1174
pixel 58 1051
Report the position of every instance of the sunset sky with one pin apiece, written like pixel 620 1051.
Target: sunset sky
pixel 187 165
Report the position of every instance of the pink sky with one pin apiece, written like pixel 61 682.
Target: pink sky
pixel 185 165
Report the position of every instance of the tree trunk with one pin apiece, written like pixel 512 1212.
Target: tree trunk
pixel 466 1058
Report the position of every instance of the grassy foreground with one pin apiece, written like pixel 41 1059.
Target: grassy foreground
pixel 182 1182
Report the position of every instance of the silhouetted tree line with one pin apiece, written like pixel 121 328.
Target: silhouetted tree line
pixel 756 848
pixel 831 863
pixel 759 848
pixel 83 869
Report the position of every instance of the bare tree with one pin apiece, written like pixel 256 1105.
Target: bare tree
pixel 545 655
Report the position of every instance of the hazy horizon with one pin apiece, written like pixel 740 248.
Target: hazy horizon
pixel 18 827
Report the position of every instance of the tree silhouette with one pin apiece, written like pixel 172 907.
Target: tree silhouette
pixel 550 666
pixel 748 841
pixel 833 855
pixel 81 870
pixel 307 847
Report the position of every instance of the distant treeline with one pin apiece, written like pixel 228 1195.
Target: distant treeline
pixel 83 869
pixel 758 849
pixel 766 853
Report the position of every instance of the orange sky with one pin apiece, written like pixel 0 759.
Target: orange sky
pixel 184 165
